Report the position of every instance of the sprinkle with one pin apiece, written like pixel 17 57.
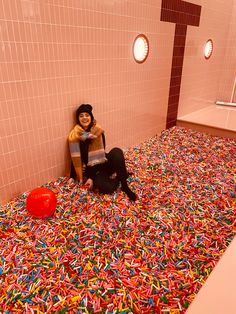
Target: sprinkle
pixel 105 254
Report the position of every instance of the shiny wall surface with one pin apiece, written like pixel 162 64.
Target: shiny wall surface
pixel 227 81
pixel 55 55
pixel 205 81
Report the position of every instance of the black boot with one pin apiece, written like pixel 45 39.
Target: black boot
pixel 131 195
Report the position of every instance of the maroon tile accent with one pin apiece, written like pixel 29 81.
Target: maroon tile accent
pixel 181 13
pixel 176 73
pixel 174 90
pixel 173 113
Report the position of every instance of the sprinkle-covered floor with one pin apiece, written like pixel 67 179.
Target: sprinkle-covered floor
pixel 105 254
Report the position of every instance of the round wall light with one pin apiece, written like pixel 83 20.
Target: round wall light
pixel 140 48
pixel 208 49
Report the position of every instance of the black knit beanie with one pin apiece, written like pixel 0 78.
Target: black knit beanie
pixel 84 108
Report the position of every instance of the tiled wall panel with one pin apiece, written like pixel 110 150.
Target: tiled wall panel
pixel 227 81
pixel 205 81
pixel 57 54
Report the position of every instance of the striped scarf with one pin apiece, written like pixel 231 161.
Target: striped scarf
pixel 96 152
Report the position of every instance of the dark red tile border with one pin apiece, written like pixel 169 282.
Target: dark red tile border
pixel 181 13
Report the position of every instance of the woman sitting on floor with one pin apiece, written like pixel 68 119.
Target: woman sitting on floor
pixel 103 171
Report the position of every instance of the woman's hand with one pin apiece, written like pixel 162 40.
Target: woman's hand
pixel 113 176
pixel 89 184
pixel 92 136
pixel 87 136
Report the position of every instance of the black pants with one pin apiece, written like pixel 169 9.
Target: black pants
pixel 115 164
pixel 103 181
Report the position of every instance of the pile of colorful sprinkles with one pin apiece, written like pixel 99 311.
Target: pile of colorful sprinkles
pixel 105 254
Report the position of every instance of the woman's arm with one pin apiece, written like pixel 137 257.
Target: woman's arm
pixel 90 173
pixel 78 134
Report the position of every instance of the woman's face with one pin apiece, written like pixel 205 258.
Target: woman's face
pixel 84 120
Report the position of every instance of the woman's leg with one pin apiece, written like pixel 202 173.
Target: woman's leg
pixel 104 183
pixel 72 171
pixel 116 163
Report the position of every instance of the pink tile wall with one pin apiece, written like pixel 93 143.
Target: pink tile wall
pixel 202 82
pixel 57 54
pixel 227 90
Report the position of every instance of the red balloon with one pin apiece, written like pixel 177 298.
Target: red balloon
pixel 41 203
